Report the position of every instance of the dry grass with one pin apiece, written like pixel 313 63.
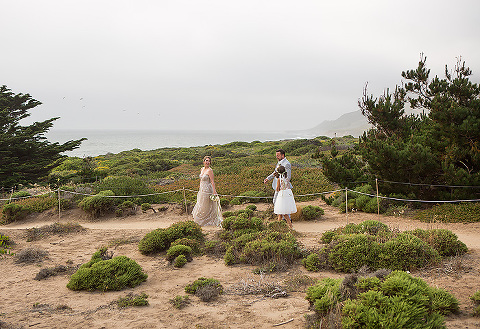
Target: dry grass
pixel 37 233
pixel 30 255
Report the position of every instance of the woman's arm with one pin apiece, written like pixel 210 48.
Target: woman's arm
pixel 212 180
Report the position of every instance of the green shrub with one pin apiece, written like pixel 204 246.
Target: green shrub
pixel 229 257
pixel 444 241
pixel 99 204
pixel 201 282
pixel 351 252
pixel 271 246
pixel 192 243
pixel 312 262
pixel 328 236
pixel 180 261
pixel 251 207
pixel 132 300
pixel 177 250
pixel 311 212
pixel 407 252
pixel 146 206
pixel 362 201
pixel 443 302
pixel 180 302
pixel 324 295
pixel 226 214
pixel 233 223
pixel 476 301
pixel 160 239
pixel 107 274
pixel 5 243
pixel 126 186
pixel 451 213
pixel 395 300
pixel 20 195
pixel 13 212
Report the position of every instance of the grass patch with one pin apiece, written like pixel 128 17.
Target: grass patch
pixel 451 213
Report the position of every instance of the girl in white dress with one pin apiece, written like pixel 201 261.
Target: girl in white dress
pixel 285 203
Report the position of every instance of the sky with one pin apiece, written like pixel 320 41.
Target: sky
pixel 265 65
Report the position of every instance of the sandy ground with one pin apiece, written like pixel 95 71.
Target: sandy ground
pixel 28 303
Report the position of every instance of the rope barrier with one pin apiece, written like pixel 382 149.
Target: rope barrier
pixel 414 200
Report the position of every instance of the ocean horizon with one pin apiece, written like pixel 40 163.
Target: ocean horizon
pixel 101 142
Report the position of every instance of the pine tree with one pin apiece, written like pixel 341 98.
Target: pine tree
pixel 441 146
pixel 25 154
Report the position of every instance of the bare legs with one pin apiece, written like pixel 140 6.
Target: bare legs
pixel 287 218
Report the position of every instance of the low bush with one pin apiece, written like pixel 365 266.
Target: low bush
pixel 451 213
pixel 180 261
pixel 476 300
pixel 177 250
pixel 102 274
pixel 201 282
pixel 374 245
pixel 132 300
pixel 243 223
pixel 13 212
pixel 311 212
pixel 180 302
pixel 53 271
pixel 5 243
pixel 312 262
pixel 20 195
pixel 192 243
pixel 394 300
pixel 99 204
pixel 444 241
pixel 160 239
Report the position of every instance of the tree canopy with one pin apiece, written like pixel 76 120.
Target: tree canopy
pixel 25 154
pixel 440 146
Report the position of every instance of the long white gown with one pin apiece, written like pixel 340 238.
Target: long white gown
pixel 285 202
pixel 206 211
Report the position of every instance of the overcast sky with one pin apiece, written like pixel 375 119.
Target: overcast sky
pixel 220 64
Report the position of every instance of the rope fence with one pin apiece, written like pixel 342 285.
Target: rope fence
pixel 345 190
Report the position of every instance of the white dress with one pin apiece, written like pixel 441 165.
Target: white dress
pixel 206 211
pixel 285 202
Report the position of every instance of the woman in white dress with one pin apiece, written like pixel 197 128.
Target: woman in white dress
pixel 285 202
pixel 207 210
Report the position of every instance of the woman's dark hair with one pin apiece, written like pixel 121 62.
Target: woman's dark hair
pixel 281 170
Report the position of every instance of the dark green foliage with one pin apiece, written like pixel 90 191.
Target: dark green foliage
pixel 25 154
pixel 180 261
pixel 12 212
pixel 311 212
pixel 440 147
pixel 201 282
pixel 180 302
pixel 373 244
pixel 444 241
pixel 394 300
pixel 250 197
pixel 107 274
pixel 99 204
pixel 192 243
pixel 251 207
pixel 177 250
pixel 301 146
pixel 476 301
pixel 20 195
pixel 271 246
pixel 132 300
pixel 324 295
pixel 351 252
pixel 346 169
pixel 229 257
pixel 312 262
pixel 160 239
pixel 243 223
pixel 451 213
pixel 146 206
pixel 407 252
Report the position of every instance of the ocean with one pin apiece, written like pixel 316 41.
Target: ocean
pixel 101 142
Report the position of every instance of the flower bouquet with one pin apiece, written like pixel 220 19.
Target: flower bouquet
pixel 214 198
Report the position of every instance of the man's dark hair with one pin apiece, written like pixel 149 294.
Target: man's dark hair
pixel 281 151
